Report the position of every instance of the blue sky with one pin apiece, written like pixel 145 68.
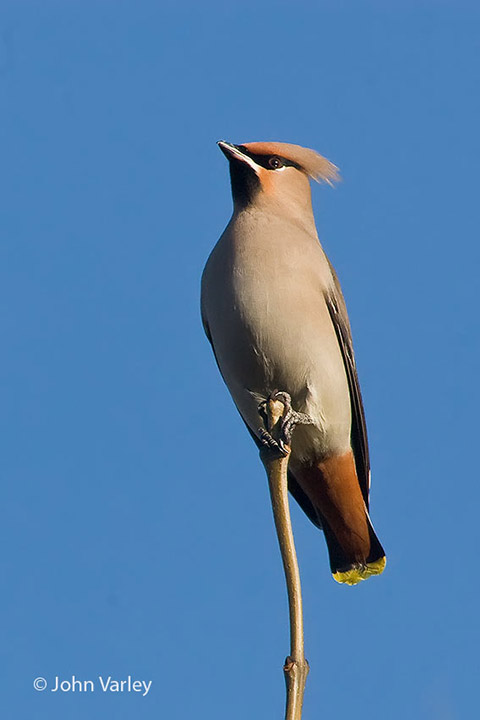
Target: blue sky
pixel 136 531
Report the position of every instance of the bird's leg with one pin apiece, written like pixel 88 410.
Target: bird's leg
pixel 280 419
pixel 284 424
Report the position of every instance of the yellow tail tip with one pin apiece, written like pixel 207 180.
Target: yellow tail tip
pixel 360 572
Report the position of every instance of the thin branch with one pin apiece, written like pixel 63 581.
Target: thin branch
pixel 276 465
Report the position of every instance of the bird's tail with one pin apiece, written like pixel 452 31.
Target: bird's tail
pixel 333 490
pixel 347 567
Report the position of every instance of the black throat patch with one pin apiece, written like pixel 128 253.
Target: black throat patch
pixel 245 183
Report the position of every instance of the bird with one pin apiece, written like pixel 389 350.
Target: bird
pixel 274 313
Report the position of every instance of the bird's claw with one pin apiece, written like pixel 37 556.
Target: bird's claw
pixel 289 420
pixel 269 442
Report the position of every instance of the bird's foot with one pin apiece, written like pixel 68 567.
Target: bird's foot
pixel 269 443
pixel 280 419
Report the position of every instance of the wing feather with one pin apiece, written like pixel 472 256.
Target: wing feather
pixel 338 313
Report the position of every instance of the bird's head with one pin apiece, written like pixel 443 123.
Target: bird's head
pixel 276 175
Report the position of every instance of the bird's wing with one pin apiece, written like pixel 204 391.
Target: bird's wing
pixel 338 313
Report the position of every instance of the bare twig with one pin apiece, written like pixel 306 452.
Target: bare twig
pixel 276 465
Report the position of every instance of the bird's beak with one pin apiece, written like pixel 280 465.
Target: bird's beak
pixel 230 150
pixel 233 152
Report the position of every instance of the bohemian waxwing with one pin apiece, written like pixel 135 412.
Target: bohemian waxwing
pixel 274 312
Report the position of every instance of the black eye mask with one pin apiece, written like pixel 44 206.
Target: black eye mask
pixel 269 162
